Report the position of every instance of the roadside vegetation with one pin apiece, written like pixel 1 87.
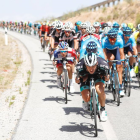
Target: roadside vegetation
pixel 10 61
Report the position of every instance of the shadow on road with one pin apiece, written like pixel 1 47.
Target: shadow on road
pixel 85 129
pixel 60 100
pixel 48 80
pixel 77 111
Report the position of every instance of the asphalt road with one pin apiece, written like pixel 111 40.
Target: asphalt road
pixel 47 117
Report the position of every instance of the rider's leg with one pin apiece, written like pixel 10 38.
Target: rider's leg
pixel 86 95
pixel 99 86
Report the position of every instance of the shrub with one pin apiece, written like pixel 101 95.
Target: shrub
pixel 101 18
pixel 108 18
pixel 104 10
pixel 138 19
pixel 115 15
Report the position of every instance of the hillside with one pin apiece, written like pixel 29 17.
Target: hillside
pixel 123 12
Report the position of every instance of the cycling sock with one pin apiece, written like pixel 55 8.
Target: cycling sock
pixel 131 67
pixel 102 108
pixel 70 82
pixel 58 76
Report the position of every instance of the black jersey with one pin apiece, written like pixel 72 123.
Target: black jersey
pixel 102 68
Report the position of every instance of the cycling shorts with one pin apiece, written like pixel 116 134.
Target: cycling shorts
pixel 86 84
pixel 56 39
pixel 42 33
pixel 116 54
pixel 128 49
pixel 60 64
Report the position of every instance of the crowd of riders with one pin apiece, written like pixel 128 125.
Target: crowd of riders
pixel 93 46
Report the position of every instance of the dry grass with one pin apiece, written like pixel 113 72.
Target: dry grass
pixel 10 60
pixel 126 12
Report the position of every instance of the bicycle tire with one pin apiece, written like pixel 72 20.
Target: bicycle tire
pixel 117 88
pixel 95 112
pixel 128 83
pixel 66 86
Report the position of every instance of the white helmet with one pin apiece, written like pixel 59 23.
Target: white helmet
pixel 70 23
pixel 44 23
pixel 96 24
pixel 83 25
pixel 106 29
pixel 138 26
pixel 67 27
pixel 90 30
pixel 58 25
pixel 53 24
pixel 109 24
pixel 90 59
pixel 88 23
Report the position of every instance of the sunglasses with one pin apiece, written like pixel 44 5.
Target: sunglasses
pixel 67 31
pixel 64 51
pixel 112 39
pixel 127 35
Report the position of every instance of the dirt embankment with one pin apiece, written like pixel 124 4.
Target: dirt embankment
pixel 124 12
pixel 15 72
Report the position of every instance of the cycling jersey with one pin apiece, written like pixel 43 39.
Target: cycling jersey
pixel 102 70
pixel 39 25
pixel 44 28
pixel 69 39
pixel 137 37
pixel 55 35
pixel 71 53
pixel 106 44
pixel 84 43
pixel 30 24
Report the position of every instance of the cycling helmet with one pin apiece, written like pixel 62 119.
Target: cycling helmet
pixel 116 25
pixel 58 24
pixel 44 23
pixel 88 23
pixel 78 23
pixel 112 33
pixel 127 31
pixel 106 30
pixel 96 24
pixel 130 25
pixel 138 27
pixel 53 24
pixel 63 45
pixel 90 30
pixel 91 47
pixel 70 23
pixel 123 25
pixel 104 25
pixel 90 59
pixel 109 24
pixel 83 25
pixel 67 27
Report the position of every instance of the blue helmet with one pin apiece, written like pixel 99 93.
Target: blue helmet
pixel 127 31
pixel 63 45
pixel 112 33
pixel 91 47
pixel 116 25
pixel 78 23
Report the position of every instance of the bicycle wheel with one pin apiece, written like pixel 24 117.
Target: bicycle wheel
pixel 128 83
pixel 95 112
pixel 66 85
pixel 117 88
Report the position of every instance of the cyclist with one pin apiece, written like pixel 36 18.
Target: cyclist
pixel 96 25
pixel 65 51
pixel 117 26
pixel 97 67
pixel 44 30
pixel 105 32
pixel 137 38
pixel 129 47
pixel 113 50
pixel 77 26
pixel 69 36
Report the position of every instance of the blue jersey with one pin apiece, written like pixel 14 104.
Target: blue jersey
pixel 118 44
pixel 39 25
pixel 76 29
pixel 84 43
pixel 120 33
pixel 131 41
pixel 30 24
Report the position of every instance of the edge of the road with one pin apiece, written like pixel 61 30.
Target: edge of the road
pixel 32 70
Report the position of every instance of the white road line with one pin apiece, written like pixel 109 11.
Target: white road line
pixel 108 130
